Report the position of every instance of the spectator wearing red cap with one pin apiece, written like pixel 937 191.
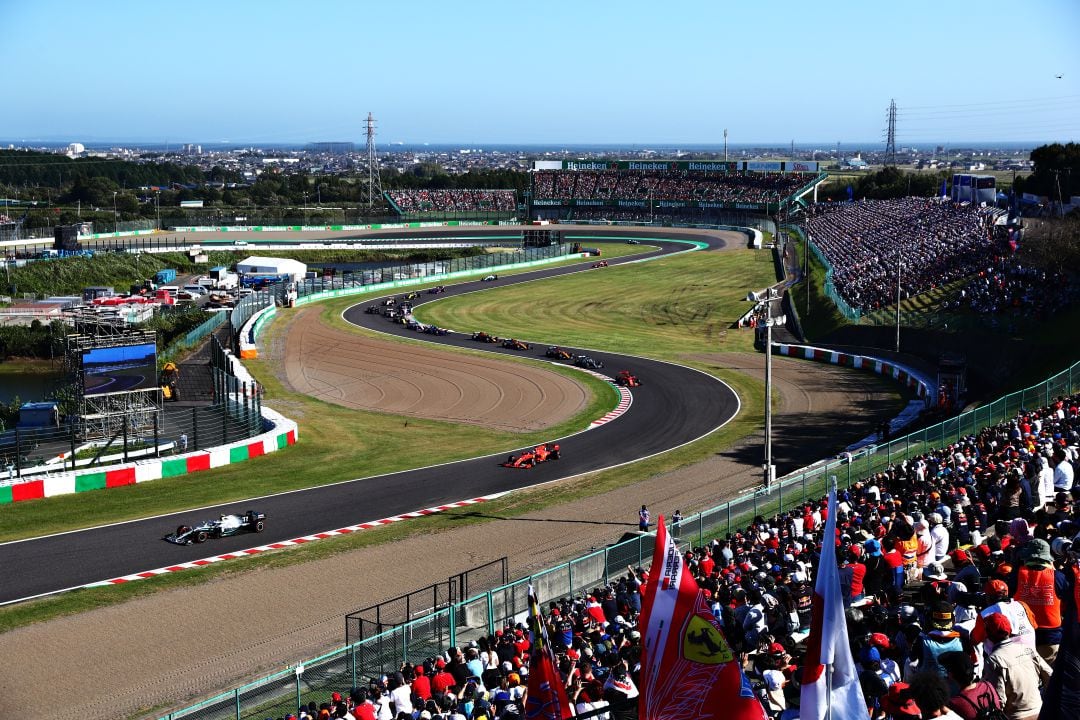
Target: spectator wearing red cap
pixel 1021 621
pixel 775 679
pixel 852 577
pixel 899 704
pixel 894 562
pixel 1014 670
pixel 966 571
pixel 442 680
pixel 421 684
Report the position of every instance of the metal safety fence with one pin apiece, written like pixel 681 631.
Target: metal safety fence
pixel 411 271
pixel 379 618
pixel 842 305
pixel 197 335
pixel 248 306
pixel 480 615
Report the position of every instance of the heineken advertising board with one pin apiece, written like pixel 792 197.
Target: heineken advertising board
pixel 694 166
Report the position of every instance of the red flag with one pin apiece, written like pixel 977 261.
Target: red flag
pixel 688 670
pixel 546 697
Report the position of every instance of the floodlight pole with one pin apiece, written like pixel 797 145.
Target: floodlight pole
pixel 898 300
pixel 768 467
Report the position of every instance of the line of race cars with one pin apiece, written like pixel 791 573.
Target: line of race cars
pixel 400 311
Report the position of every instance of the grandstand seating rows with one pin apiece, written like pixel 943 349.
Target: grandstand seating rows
pixel 458 201
pixel 749 187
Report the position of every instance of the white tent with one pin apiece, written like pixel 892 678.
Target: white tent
pixel 255 265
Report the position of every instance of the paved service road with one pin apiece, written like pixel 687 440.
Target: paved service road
pixel 676 405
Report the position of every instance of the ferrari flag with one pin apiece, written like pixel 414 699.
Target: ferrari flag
pixel 688 670
pixel 546 697
pixel 830 683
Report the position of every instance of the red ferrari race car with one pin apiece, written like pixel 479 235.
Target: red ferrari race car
pixel 515 344
pixel 602 263
pixel 627 379
pixel 529 458
pixel 481 336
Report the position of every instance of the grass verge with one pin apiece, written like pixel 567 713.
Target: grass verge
pixel 519 503
pixel 682 304
pixel 378 443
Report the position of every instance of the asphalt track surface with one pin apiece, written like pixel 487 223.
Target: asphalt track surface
pixel 675 405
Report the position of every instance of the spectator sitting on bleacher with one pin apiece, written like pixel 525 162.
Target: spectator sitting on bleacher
pixel 758 582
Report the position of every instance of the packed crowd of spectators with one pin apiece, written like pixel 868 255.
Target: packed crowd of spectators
pixel 935 242
pixel 743 187
pixel 958 569
pixel 1009 287
pixel 457 201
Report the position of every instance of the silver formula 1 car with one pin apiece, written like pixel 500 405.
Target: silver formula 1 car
pixel 224 526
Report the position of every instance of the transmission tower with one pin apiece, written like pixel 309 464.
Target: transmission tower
pixel 374 181
pixel 890 135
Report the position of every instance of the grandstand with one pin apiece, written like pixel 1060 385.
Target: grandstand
pixel 933 242
pixel 667 190
pixel 453 204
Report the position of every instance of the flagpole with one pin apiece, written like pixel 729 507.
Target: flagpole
pixel 828 690
pixel 829 666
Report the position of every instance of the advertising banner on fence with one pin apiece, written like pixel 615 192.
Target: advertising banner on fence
pixel 689 166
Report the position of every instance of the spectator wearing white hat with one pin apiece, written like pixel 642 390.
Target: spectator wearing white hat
pixel 940 535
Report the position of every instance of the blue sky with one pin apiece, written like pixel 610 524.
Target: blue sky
pixel 545 72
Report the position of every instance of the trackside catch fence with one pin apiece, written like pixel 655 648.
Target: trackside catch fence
pixel 378 618
pixel 482 613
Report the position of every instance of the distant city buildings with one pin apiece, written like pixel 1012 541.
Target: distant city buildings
pixel 343 157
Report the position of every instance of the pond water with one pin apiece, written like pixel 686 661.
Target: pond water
pixel 28 387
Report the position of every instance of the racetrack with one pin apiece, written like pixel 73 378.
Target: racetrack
pixel 677 406
pixel 172 646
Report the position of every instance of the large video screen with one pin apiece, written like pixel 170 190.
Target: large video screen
pixel 116 369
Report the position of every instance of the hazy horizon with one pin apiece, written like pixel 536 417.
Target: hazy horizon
pixel 870 145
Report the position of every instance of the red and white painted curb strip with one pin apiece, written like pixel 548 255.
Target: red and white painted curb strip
pixel 288 543
pixel 625 399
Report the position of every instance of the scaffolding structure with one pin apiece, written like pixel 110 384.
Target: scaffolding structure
pixel 104 416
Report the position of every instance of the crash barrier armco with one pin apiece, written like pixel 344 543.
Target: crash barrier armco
pixel 482 614
pixel 906 376
pixel 491 263
pixel 238 392
pixel 280 433
pixel 333 228
pixel 254 324
pixel 250 331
